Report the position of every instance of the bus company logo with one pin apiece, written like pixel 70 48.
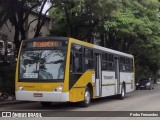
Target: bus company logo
pixel 6 114
pixel 21 114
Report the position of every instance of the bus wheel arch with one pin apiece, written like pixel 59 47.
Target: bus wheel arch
pixel 121 96
pixel 124 84
pixel 90 87
pixel 88 95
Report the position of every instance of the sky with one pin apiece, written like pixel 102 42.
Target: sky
pixel 47 5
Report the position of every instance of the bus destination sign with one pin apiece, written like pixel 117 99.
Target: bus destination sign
pixel 45 44
pixel 42 44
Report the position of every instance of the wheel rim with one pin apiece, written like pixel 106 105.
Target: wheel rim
pixel 123 94
pixel 87 96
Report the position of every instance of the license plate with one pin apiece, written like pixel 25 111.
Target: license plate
pixel 37 95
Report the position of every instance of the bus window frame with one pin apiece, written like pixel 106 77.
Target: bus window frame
pixel 130 64
pixel 88 58
pixel 108 61
pixel 72 51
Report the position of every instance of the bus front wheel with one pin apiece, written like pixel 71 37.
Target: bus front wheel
pixel 46 104
pixel 87 98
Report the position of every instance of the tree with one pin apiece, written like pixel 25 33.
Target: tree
pixel 135 29
pixel 6 11
pixel 125 25
pixel 79 19
pixel 17 11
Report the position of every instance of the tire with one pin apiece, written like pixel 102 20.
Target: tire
pixel 87 98
pixel 122 95
pixel 45 104
pixel 150 88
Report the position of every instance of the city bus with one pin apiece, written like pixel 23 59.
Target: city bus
pixel 61 69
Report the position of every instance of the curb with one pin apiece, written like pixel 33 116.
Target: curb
pixel 12 102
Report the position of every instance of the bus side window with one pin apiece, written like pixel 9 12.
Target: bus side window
pixel 76 65
pixel 76 59
pixel 88 59
pixel 71 62
pixel 78 62
pixel 122 64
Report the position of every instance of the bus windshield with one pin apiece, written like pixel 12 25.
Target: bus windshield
pixel 42 64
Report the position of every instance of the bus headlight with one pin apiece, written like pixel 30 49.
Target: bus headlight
pixel 20 88
pixel 59 88
pixel 148 84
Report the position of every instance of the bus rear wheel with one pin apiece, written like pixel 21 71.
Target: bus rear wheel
pixel 87 98
pixel 122 94
pixel 46 104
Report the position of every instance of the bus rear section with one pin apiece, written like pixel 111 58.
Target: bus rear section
pixel 40 72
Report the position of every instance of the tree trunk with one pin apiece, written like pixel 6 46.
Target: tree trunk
pixel 23 35
pixel 102 39
pixel 16 38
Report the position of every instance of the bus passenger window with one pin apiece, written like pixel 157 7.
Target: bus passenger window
pixel 71 62
pixel 88 64
pixel 105 65
pixel 123 67
pixel 77 48
pixel 77 62
pixel 88 58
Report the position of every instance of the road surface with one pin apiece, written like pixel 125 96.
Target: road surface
pixel 138 100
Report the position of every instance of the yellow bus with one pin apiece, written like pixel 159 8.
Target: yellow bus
pixel 61 69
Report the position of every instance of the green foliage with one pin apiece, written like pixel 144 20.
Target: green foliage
pixel 81 17
pixel 124 25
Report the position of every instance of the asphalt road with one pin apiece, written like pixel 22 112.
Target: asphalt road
pixel 138 100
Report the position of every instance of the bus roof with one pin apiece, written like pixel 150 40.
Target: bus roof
pixel 94 46
pixel 47 38
pixel 105 49
pixel 112 51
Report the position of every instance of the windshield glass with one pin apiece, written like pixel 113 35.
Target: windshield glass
pixel 42 64
pixel 144 80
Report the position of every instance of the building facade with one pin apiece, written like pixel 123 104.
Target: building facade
pixel 7 31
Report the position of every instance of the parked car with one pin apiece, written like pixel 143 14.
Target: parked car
pixel 10 58
pixel 145 83
pixel 2 50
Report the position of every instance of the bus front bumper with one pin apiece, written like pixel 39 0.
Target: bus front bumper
pixel 42 96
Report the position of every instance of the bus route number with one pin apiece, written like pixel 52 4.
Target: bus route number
pixel 46 44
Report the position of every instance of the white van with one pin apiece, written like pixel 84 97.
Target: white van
pixel 10 52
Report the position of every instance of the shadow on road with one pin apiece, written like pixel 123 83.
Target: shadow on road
pixel 73 106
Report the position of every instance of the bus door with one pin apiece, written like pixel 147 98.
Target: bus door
pixel 98 75
pixel 117 75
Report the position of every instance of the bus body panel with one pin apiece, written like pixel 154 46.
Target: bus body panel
pixel 128 78
pixel 42 96
pixel 76 93
pixel 66 78
pixel 108 83
pixel 36 86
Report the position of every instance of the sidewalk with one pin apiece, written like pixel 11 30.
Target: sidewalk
pixel 7 99
pixel 10 102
